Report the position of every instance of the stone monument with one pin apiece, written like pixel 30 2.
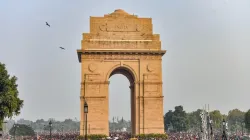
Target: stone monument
pixel 121 43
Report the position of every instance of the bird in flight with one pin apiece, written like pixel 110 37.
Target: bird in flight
pixel 62 48
pixel 47 24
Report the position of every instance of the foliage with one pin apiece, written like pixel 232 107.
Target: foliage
pixel 41 125
pixel 10 104
pixel 47 128
pixel 150 136
pixel 224 116
pixel 247 120
pixel 235 119
pixel 217 118
pixel 66 125
pixel 21 130
pixel 168 118
pixel 119 125
pixel 235 116
pixel 179 119
pixel 194 120
pixel 93 137
pixel 40 121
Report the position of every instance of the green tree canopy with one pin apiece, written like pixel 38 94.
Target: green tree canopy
pixel 235 116
pixel 217 118
pixel 10 104
pixel 195 120
pixel 21 130
pixel 179 119
pixel 247 120
pixel 168 119
pixel 40 121
pixel 235 119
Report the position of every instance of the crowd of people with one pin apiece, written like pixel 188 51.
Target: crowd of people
pixel 46 136
pixel 125 136
pixel 119 135
pixel 196 136
pixel 184 136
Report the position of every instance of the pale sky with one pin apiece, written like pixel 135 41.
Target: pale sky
pixel 207 59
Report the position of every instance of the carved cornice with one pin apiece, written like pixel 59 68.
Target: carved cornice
pixel 114 52
pixel 108 82
pixel 83 97
pixel 149 82
pixel 151 97
pixel 98 82
pixel 161 128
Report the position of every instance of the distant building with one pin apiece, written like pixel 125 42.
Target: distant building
pixel 22 121
pixel 124 129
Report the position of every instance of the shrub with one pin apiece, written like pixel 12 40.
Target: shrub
pixel 93 137
pixel 150 136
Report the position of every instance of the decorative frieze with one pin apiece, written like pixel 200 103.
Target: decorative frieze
pixel 120 57
pixel 121 44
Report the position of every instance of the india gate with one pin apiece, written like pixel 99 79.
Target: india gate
pixel 121 43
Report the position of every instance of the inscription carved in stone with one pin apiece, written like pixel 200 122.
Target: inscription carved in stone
pixel 106 44
pixel 119 36
pixel 120 27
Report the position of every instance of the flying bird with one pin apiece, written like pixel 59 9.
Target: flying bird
pixel 62 48
pixel 47 24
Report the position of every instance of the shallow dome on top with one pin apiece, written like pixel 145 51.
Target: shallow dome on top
pixel 120 12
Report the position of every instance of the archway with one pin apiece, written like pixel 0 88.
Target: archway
pixel 130 77
pixel 125 44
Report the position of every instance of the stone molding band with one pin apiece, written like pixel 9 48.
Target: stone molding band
pixel 148 82
pixel 97 82
pixel 106 51
pixel 153 128
pixel 150 96
pixel 83 97
pixel 120 54
pixel 108 82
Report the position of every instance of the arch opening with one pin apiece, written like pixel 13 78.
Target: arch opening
pixel 118 73
pixel 124 71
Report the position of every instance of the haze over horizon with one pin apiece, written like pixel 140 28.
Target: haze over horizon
pixel 207 59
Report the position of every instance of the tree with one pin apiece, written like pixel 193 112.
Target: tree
pixel 195 120
pixel 168 119
pixel 22 130
pixel 40 121
pixel 247 120
pixel 179 119
pixel 235 118
pixel 217 118
pixel 10 104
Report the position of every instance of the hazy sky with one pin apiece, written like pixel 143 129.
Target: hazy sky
pixel 207 59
